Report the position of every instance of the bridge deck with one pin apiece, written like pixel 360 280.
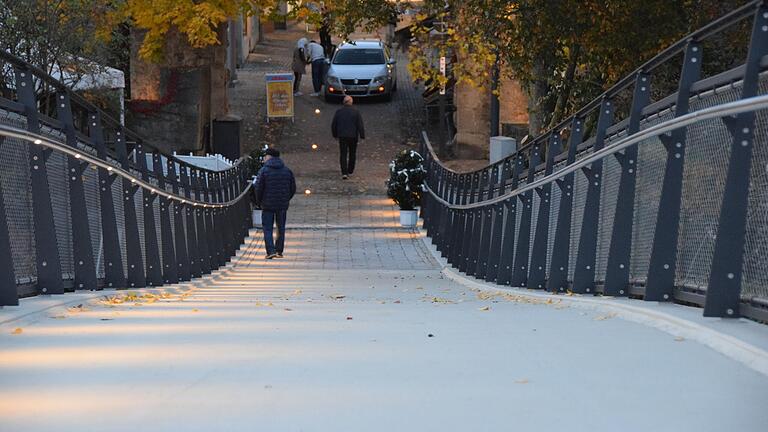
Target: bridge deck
pixel 357 329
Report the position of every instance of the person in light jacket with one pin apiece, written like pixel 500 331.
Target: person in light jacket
pixel 299 66
pixel 317 57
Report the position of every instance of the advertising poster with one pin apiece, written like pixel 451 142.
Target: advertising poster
pixel 279 95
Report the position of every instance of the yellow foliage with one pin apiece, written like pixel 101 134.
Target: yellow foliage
pixel 197 20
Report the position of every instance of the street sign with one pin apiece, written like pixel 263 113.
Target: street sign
pixel 279 95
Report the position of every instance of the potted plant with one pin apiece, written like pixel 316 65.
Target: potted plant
pixel 256 161
pixel 405 185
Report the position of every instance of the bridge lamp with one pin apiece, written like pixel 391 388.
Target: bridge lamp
pixel 314 146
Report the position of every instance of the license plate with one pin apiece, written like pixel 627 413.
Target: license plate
pixel 356 87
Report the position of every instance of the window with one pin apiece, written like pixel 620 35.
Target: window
pixel 359 56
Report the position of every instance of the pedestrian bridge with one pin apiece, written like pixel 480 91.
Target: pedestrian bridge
pixel 616 261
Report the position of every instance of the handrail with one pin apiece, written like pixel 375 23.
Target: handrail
pixel 109 120
pixel 13 132
pixel 743 12
pixel 724 110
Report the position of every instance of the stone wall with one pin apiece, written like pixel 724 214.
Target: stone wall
pixel 473 113
pixel 166 104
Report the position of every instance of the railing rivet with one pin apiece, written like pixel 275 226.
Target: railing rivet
pixel 729 311
pixel 730 275
pixel 666 296
pixel 666 266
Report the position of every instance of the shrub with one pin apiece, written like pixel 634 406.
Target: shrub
pixel 406 179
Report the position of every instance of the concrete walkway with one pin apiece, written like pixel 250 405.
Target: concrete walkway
pixel 356 330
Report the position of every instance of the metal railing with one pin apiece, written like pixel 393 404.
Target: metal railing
pixel 667 204
pixel 67 224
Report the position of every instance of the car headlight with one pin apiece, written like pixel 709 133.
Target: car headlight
pixel 333 80
pixel 379 80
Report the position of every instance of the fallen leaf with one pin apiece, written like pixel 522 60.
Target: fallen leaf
pixel 522 381
pixel 78 308
pixel 195 310
pixel 485 308
pixel 17 331
pixel 430 335
pixel 107 319
pixel 288 309
pixel 679 339
pixel 59 317
pixel 337 296
pixel 397 301
pixel 604 317
pixel 349 318
pixel 439 300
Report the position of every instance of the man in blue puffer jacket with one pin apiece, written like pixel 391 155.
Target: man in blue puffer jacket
pixel 275 186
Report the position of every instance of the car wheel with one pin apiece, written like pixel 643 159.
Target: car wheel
pixel 388 97
pixel 330 98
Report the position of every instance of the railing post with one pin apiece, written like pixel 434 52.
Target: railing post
pixel 9 296
pixel 189 214
pixel 661 270
pixel 201 216
pixel 151 248
pixel 179 213
pixel 584 274
pixel 508 246
pixel 114 275
pixel 725 277
pixel 456 256
pixel 494 253
pixel 617 273
pixel 475 241
pixel 215 235
pixel 520 269
pixel 48 261
pixel 136 276
pixel 466 240
pixel 170 269
pixel 561 249
pixel 82 248
pixel 538 271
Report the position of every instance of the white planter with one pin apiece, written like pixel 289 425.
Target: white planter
pixel 408 218
pixel 256 216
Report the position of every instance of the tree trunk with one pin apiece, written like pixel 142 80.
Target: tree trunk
pixel 539 106
pixel 204 109
pixel 565 94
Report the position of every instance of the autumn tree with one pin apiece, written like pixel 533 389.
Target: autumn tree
pixel 563 52
pixel 57 35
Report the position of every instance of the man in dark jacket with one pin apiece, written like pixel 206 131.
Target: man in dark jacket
pixel 347 126
pixel 275 186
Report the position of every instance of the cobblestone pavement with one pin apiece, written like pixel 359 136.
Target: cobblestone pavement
pixel 390 126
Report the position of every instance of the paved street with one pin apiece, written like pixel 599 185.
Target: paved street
pixel 360 328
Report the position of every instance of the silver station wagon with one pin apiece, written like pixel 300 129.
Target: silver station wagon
pixel 363 68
